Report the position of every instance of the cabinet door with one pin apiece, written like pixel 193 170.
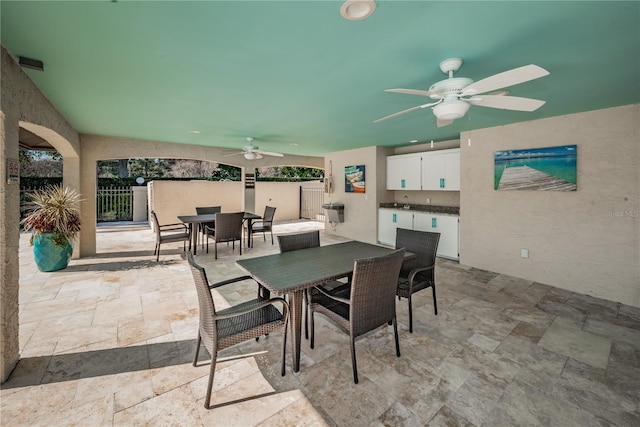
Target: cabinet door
pixel 389 220
pixel 441 170
pixel 403 172
pixel 446 225
pixel 452 171
pixel 432 171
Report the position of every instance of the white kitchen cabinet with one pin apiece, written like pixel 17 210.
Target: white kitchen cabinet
pixel 446 225
pixel 441 170
pixel 389 220
pixel 433 170
pixel 403 172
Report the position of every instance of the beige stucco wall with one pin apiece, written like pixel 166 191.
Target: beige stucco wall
pixel 360 211
pixel 284 196
pixel 22 105
pixel 172 198
pixel 585 241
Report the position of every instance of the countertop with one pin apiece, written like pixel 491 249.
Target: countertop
pixel 447 210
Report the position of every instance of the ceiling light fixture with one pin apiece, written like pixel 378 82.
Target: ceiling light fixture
pixel 451 109
pixel 413 141
pixel 356 10
pixel 194 131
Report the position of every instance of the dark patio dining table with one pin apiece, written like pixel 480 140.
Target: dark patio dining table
pixel 194 220
pixel 295 271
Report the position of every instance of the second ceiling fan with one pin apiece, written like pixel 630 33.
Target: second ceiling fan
pixel 454 95
pixel 253 152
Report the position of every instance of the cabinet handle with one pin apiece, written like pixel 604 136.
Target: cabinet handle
pixel 434 222
pixel 402 183
pixel 441 182
pixel 395 219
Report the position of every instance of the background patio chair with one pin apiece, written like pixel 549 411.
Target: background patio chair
pixel 364 306
pixel 417 273
pixel 176 232
pixel 265 224
pixel 293 242
pixel 236 324
pixel 204 210
pixel 228 228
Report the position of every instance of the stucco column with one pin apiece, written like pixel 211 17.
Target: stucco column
pixel 9 243
pixel 71 179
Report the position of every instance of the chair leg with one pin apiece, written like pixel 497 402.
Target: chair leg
pixel 410 315
pixel 212 372
pixel 353 359
pixel 395 333
pixel 306 316
pixel 284 349
pixel 312 329
pixel 435 304
pixel 215 249
pixel 195 359
pixel 271 237
pixel 157 252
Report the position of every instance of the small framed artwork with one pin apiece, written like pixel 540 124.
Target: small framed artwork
pixel 547 169
pixel 354 179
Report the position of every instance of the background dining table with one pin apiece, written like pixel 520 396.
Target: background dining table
pixel 194 220
pixel 295 271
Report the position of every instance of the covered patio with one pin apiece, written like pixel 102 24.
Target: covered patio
pixel 110 340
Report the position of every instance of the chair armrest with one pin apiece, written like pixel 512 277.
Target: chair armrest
pixel 333 297
pixel 258 306
pixel 207 228
pixel 228 281
pixel 415 271
pixel 175 226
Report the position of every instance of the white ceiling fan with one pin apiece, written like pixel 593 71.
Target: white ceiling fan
pixel 454 95
pixel 253 152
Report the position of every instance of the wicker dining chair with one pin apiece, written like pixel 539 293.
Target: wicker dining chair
pixel 205 210
pixel 265 224
pixel 228 228
pixel 167 233
pixel 220 329
pixel 417 273
pixel 364 306
pixel 294 242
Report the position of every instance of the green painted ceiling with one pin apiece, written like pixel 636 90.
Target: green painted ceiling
pixel 297 72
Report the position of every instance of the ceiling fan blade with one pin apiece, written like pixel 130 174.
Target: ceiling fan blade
pixel 269 153
pixel 411 92
pixel 506 102
pixel 443 122
pixel 430 104
pixel 233 154
pixel 505 79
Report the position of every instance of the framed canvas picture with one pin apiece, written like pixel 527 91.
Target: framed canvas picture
pixel 354 179
pixel 548 169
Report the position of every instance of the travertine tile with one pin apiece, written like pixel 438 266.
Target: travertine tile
pixel 110 341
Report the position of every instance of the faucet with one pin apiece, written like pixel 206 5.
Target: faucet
pixel 406 202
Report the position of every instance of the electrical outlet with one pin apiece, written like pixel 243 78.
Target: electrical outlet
pixel 428 200
pixel 524 253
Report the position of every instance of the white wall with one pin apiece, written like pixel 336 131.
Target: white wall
pixel 585 241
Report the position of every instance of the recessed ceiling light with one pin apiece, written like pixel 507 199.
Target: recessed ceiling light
pixel 413 141
pixel 356 10
pixel 294 144
pixel 194 131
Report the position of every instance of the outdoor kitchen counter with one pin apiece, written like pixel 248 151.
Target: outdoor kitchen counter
pixel 443 210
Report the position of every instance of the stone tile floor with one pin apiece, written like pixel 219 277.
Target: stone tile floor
pixel 109 341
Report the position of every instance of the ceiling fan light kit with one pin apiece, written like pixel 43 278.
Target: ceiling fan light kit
pixel 455 95
pixel 451 109
pixel 253 152
pixel 357 10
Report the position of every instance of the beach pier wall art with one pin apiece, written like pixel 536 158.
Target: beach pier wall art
pixel 547 169
pixel 354 181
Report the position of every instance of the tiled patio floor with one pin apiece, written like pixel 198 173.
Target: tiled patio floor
pixel 109 341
